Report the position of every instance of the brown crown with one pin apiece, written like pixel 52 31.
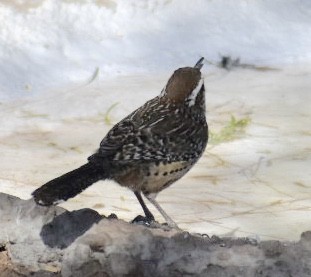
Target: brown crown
pixel 182 83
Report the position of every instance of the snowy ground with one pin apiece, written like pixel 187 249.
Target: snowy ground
pixel 63 86
pixel 257 184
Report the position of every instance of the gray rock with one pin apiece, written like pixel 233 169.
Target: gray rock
pixel 54 242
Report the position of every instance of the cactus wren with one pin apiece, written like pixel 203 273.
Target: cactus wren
pixel 148 150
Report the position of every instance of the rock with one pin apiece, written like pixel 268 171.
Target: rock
pixel 40 241
pixel 66 227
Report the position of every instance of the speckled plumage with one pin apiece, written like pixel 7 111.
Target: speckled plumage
pixel 151 148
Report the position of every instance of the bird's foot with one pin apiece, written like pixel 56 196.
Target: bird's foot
pixel 171 226
pixel 150 222
pixel 143 220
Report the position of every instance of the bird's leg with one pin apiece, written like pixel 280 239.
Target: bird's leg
pixel 149 215
pixel 151 197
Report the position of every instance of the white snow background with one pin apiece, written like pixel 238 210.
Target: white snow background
pixel 63 64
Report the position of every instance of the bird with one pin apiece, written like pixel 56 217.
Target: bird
pixel 147 151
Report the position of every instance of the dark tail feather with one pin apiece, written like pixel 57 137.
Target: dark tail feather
pixel 68 185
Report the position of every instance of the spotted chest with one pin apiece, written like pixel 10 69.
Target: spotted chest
pixel 153 177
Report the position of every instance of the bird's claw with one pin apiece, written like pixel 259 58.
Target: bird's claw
pixel 143 220
pixel 150 222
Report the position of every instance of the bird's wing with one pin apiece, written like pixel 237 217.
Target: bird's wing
pixel 120 135
pixel 151 133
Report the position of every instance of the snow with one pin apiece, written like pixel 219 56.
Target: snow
pixel 50 43
pixel 64 63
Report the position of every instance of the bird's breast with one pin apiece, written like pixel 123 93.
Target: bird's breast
pixel 153 177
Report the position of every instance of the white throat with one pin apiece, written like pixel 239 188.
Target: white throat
pixel 193 96
pixel 163 92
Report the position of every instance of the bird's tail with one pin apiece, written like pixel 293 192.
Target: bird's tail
pixel 68 185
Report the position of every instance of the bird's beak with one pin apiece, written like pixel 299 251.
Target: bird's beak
pixel 199 63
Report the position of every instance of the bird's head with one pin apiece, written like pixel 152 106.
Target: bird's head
pixel 185 85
